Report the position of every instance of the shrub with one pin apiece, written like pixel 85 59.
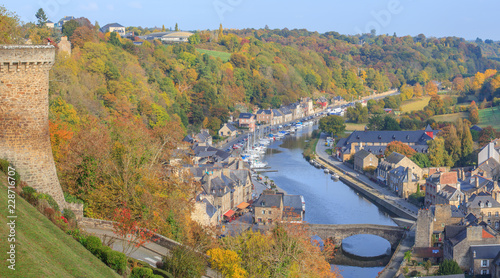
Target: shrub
pixel 49 199
pixel 141 272
pixel 185 262
pixel 69 214
pixel 93 243
pixel 116 261
pixel 78 235
pixel 29 194
pixel 4 167
pixel 162 273
pixel 49 212
pixel 102 253
pixel 72 199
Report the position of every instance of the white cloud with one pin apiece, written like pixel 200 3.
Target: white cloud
pixel 135 5
pixel 92 6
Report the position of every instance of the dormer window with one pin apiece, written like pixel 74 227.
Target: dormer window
pixel 407 137
pixel 380 137
pixel 393 136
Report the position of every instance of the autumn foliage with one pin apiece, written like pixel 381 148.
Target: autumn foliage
pixel 399 147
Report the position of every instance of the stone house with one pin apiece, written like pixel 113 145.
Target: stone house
pixel 225 189
pixel 364 159
pixel 247 120
pixel 277 117
pixel 431 224
pixel 461 241
pixel 489 169
pixel 268 209
pixel 435 183
pixel 228 130
pixel 393 161
pixel 287 114
pixel 402 181
pixel 492 150
pixel 113 27
pixel 292 208
pixel 485 208
pixel 482 259
pixel 265 116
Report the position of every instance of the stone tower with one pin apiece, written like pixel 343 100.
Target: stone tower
pixel 24 115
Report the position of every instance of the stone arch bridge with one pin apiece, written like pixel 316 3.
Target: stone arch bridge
pixel 393 234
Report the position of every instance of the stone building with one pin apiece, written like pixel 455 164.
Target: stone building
pixel 24 116
pixel 431 224
pixel 64 45
pixel 247 120
pixel 228 130
pixel 393 161
pixel 485 208
pixel 265 116
pixel 268 209
pixel 435 183
pixel 364 159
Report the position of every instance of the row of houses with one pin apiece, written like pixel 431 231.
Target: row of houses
pixel 298 110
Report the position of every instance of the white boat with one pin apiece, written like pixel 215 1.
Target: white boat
pixel 335 176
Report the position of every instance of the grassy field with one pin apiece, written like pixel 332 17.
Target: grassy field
pixel 224 56
pixel 451 117
pixel 414 104
pixel 490 116
pixel 353 126
pixel 42 249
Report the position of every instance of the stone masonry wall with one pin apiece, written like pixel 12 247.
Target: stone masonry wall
pixel 24 115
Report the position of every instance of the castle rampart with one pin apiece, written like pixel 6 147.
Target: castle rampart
pixel 24 115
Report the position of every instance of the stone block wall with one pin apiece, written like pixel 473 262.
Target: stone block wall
pixel 24 115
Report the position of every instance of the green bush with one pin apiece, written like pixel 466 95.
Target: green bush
pixel 93 243
pixel 141 272
pixel 30 195
pixel 78 235
pixel 162 273
pixel 49 199
pixel 4 167
pixel 185 262
pixel 72 199
pixel 69 214
pixel 116 261
pixel 102 253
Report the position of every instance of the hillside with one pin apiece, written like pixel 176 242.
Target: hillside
pixel 42 249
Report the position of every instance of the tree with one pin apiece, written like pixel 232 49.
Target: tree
pixel 437 152
pixel 452 143
pixel 184 262
pixel 417 90
pixel 428 265
pixel 10 31
pixel 176 27
pixel 421 159
pixel 376 122
pixel 474 116
pixel 448 267
pixel 332 124
pixel 431 89
pixel 114 39
pixel 69 27
pixel 467 143
pixel 399 147
pixel 221 31
pixel 406 92
pixel 163 28
pixel 358 113
pixel 42 18
pixel 227 262
pixel 127 229
pixel 390 123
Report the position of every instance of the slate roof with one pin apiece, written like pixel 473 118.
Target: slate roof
pixel 468 186
pixel 277 113
pixel 266 111
pixel 209 151
pixel 475 201
pixel 188 138
pixel 231 127
pixel 267 201
pixel 106 27
pixel 419 137
pixel 476 128
pixel 485 251
pixel 210 210
pixel 449 193
pixel 394 158
pixel 362 154
pixel 292 204
pixel 285 110
pixel 245 115
pixel 489 165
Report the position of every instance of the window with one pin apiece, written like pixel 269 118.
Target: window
pixel 484 272
pixel 263 212
pixel 496 214
pixel 497 225
pixel 270 212
pixel 489 214
pixel 259 220
pixel 484 263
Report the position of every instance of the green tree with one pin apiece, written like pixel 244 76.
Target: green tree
pixel 221 32
pixel 42 18
pixel 358 113
pixel 176 27
pixel 194 39
pixel 332 124
pixel 376 122
pixel 467 143
pixel 10 32
pixel 390 123
pixel 448 267
pixel 437 152
pixel 69 27
pixel 452 144
pixel 421 159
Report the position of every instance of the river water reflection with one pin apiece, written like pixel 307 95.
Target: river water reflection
pixel 327 201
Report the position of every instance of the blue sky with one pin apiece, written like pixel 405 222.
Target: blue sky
pixel 467 19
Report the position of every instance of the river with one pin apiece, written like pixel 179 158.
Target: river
pixel 327 201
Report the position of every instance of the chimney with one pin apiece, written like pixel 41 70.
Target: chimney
pixel 476 182
pixel 410 175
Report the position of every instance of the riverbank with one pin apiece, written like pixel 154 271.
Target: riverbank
pixel 372 191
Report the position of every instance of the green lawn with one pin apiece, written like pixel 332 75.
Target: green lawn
pixel 451 117
pixel 42 249
pixel 224 56
pixel 353 126
pixel 414 104
pixel 490 116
